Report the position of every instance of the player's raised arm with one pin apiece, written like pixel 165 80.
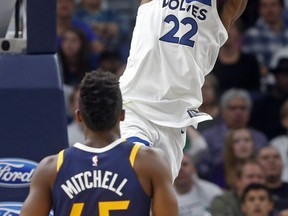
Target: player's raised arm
pixel 39 200
pixel 230 10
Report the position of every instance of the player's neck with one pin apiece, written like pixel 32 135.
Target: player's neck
pixel 100 139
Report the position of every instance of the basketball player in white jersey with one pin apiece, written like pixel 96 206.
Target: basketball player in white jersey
pixel 175 44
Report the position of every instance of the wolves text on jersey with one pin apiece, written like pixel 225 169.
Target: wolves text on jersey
pixel 181 5
pixel 93 179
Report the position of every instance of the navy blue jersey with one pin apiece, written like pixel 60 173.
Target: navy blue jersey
pixel 99 182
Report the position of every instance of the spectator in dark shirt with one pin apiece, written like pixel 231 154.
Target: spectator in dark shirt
pixel 266 111
pixel 65 20
pixel 269 34
pixel 112 30
pixel 235 69
pixel 75 56
pixel 270 160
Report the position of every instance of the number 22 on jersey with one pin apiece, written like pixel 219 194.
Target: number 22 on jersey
pixel 104 207
pixel 185 39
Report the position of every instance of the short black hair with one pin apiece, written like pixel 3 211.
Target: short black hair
pixel 100 102
pixel 255 186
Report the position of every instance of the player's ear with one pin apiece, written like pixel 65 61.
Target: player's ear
pixel 122 115
pixel 78 116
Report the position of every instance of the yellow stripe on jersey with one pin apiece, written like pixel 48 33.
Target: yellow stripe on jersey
pixel 105 207
pixel 76 209
pixel 60 159
pixel 133 153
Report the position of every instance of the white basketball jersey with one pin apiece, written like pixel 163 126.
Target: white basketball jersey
pixel 175 44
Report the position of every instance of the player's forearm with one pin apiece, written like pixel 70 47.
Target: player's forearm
pixel 240 6
pixel 230 11
pixel 165 206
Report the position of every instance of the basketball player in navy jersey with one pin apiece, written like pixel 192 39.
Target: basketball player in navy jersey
pixel 105 175
pixel 174 46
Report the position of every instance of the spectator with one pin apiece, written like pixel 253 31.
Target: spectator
pixel 250 15
pixel 265 113
pixel 75 129
pixel 106 23
pixel 210 105
pixel 270 160
pixel 256 200
pixel 238 147
pixel 65 20
pixel 269 34
pixel 195 145
pixel 193 194
pixel 235 69
pixel 75 56
pixel 281 142
pixel 111 61
pixel 230 203
pixel 235 106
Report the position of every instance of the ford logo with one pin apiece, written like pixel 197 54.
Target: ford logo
pixel 16 172
pixel 12 208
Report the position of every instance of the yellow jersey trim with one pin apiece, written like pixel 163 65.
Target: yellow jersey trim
pixel 60 159
pixel 134 153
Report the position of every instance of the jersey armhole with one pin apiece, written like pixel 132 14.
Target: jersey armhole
pixel 60 159
pixel 218 19
pixel 133 153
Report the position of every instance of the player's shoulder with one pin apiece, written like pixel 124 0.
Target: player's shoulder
pixel 46 171
pixel 152 158
pixel 48 164
pixel 151 153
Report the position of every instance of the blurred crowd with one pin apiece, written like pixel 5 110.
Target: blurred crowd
pixel 235 164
